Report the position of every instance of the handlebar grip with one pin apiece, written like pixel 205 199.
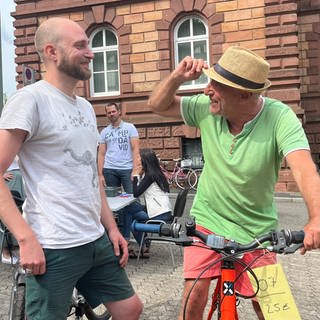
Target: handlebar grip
pixel 145 227
pixel 295 237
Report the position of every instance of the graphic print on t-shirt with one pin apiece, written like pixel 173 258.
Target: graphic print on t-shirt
pixel 86 159
pixel 119 137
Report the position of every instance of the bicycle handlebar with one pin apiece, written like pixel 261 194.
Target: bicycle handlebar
pixel 284 241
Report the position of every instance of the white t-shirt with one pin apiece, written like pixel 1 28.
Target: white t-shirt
pixel 58 163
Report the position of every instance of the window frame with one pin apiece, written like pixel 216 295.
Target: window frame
pixel 190 39
pixel 103 50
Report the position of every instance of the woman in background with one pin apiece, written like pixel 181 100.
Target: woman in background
pixel 153 185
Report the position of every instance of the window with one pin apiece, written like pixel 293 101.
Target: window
pixel 191 149
pixel 191 39
pixel 105 64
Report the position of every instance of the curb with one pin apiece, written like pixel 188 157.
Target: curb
pixel 278 196
pixel 288 196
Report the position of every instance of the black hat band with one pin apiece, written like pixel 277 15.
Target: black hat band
pixel 236 79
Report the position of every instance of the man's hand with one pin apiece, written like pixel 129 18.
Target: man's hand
pixel 32 257
pixel 189 69
pixel 120 245
pixel 164 99
pixel 312 236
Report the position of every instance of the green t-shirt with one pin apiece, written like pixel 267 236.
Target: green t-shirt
pixel 235 191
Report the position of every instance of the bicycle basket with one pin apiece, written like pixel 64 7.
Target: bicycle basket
pixel 186 163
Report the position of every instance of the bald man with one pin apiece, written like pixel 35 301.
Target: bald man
pixel 67 235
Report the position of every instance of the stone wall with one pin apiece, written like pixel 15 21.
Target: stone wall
pixel 272 28
pixel 309 50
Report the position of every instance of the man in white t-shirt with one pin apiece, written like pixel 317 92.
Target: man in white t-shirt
pixel 67 235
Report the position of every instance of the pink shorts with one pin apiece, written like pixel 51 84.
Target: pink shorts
pixel 196 259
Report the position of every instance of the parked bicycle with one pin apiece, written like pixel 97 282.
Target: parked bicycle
pixel 198 173
pixel 182 174
pixel 225 298
pixel 78 304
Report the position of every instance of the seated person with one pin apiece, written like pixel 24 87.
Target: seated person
pixel 154 186
pixel 14 178
pixel 14 181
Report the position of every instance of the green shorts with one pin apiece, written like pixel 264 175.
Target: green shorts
pixel 92 268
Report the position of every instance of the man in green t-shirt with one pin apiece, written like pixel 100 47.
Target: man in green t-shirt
pixel 244 138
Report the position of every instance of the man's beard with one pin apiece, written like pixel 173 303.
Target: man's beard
pixel 113 119
pixel 73 70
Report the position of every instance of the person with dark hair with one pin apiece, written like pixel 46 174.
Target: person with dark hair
pixel 118 156
pixel 153 185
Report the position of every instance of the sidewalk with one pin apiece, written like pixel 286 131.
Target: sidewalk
pixel 159 285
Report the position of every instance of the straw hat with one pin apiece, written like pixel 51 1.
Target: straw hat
pixel 242 69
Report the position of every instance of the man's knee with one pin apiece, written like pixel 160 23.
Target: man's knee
pixel 129 309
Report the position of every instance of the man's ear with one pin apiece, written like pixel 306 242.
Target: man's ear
pixel 50 52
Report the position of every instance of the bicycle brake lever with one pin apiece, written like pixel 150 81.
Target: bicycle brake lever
pixel 293 249
pixel 279 244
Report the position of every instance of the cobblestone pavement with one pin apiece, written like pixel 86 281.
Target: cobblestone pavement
pixel 159 285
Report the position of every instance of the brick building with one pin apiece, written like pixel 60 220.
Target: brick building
pixel 137 43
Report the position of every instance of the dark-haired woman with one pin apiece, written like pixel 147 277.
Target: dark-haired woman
pixel 153 185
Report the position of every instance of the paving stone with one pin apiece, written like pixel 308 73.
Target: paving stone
pixel 159 285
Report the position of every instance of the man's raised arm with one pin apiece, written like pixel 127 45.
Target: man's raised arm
pixel 163 99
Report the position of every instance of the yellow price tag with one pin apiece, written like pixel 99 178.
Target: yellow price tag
pixel 275 297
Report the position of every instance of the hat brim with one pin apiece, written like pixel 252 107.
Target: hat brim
pixel 212 74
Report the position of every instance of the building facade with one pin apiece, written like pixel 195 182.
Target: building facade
pixel 138 43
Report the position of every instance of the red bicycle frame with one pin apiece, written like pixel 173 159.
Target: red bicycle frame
pixel 224 296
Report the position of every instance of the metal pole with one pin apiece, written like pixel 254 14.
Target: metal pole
pixel 1 72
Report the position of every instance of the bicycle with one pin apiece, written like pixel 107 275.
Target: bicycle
pixel 183 176
pixel 224 298
pixel 198 173
pixel 79 307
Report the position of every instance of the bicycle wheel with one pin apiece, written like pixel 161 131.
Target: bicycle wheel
pixel 197 173
pixel 181 177
pixel 18 303
pixel 192 179
pixel 99 313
